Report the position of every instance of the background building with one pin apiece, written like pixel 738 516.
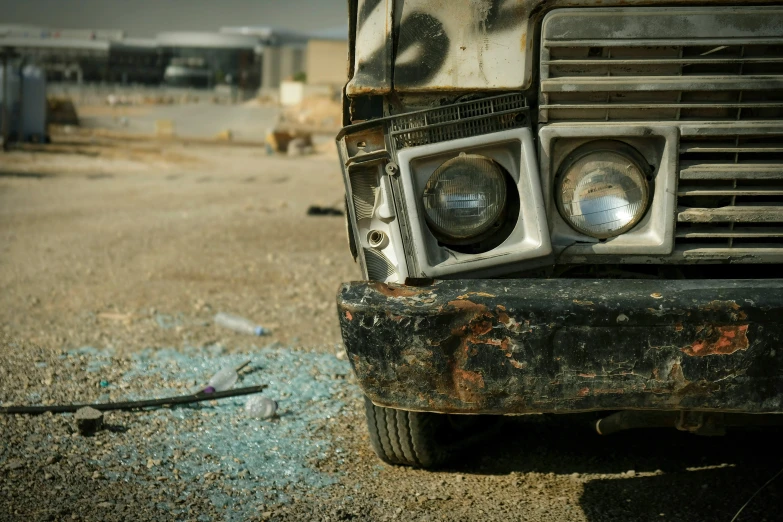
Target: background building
pixel 248 58
pixel 327 62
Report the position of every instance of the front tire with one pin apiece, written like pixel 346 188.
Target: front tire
pixel 406 438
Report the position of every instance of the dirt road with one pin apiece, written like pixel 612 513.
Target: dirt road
pixel 114 257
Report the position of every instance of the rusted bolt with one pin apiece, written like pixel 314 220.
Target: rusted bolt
pixel 392 169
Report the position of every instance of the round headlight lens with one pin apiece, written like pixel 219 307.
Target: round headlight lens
pixel 603 193
pixel 464 197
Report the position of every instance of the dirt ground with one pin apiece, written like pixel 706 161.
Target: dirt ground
pixel 114 256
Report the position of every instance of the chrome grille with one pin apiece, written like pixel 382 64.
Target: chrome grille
pixel 461 120
pixel 689 72
pixel 730 193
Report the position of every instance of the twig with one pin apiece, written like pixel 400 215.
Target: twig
pixel 767 483
pixel 135 405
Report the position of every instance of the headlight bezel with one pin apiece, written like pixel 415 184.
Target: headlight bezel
pixel 615 148
pixel 526 246
pixel 654 235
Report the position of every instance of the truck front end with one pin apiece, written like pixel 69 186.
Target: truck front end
pixel 559 207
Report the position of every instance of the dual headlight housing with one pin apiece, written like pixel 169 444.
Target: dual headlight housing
pixel 602 191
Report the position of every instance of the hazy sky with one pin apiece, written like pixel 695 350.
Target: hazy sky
pixel 144 18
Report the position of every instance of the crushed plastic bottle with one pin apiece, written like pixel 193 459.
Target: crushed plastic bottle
pixel 222 380
pixel 239 324
pixel 260 407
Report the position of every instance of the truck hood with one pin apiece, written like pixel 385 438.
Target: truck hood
pixel 443 45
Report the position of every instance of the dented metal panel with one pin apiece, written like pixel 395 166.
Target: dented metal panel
pixel 445 45
pixel 372 48
pixel 531 345
pixel 474 44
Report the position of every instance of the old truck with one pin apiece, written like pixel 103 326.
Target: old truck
pixel 563 206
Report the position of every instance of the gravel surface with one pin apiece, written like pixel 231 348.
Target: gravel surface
pixel 115 256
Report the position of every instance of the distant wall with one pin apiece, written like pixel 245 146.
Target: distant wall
pixel 280 64
pixel 327 62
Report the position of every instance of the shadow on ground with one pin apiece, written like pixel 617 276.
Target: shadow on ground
pixel 23 175
pixel 700 478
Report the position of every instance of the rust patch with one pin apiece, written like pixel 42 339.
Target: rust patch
pixel 609 391
pixel 720 340
pixel 717 306
pixel 518 365
pixel 587 375
pixel 477 294
pixel 469 379
pixel 584 392
pixel 504 346
pixel 348 315
pixel 678 327
pixel 504 318
pixel 397 290
pixel 491 342
pixel 468 306
pixel 481 328
pixel 501 307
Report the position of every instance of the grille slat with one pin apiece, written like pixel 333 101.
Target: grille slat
pixel 731 191
pixel 669 79
pixel 730 232
pixel 690 148
pixel 690 170
pixel 718 191
pixel 731 214
pixel 664 61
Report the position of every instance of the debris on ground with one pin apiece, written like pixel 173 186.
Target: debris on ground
pixel 293 143
pixel 300 146
pixel 315 210
pixel 61 111
pixel 239 324
pixel 216 463
pixel 225 379
pixel 261 407
pixel 224 135
pixel 88 421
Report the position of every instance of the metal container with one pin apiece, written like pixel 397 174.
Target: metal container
pixel 26 103
pixel 10 94
pixel 33 104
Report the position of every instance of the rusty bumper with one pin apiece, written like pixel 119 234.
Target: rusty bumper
pixel 567 345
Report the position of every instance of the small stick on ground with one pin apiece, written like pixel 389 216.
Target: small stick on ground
pixel 767 483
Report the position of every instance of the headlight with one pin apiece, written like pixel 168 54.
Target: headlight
pixel 602 191
pixel 465 198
